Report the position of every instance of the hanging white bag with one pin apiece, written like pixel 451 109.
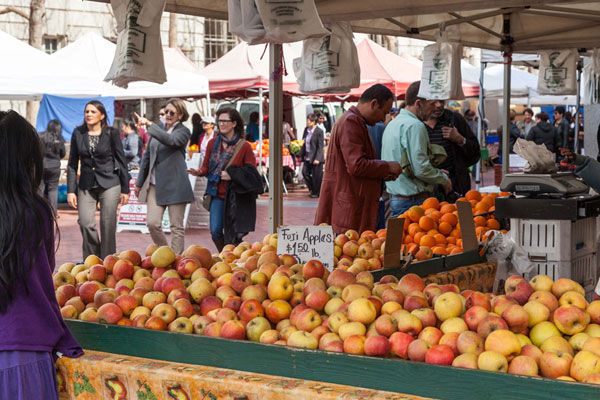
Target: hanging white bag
pixel 558 72
pixel 591 79
pixel 290 21
pixel 329 64
pixel 441 77
pixel 245 21
pixel 138 55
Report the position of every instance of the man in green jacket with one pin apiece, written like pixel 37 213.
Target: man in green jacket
pixel 406 140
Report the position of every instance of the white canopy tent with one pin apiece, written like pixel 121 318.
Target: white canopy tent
pixel 94 54
pixel 26 73
pixel 507 25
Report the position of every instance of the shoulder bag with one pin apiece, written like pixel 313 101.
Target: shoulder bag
pixel 207 199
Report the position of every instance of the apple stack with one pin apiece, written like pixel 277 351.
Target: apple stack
pixel 540 327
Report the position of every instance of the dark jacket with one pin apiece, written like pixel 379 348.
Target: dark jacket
pixel 106 166
pixel 544 133
pixel 514 134
pixel 462 156
pixel 53 152
pixel 240 202
pixel 166 154
pixel 563 133
pixel 317 146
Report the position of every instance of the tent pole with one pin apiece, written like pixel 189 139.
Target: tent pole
pixel 479 126
pixel 142 107
pixel 275 137
pixel 507 42
pixel 208 104
pixel 578 105
pixel 260 127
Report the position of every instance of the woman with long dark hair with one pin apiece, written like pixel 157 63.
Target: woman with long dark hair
pixel 53 146
pixel 97 148
pixel 230 168
pixel 31 326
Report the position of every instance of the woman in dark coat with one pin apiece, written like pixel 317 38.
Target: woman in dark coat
pixel 96 147
pixel 53 146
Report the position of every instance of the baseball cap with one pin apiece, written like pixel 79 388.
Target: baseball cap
pixel 208 120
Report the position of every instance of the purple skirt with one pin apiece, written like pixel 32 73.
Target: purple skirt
pixel 27 375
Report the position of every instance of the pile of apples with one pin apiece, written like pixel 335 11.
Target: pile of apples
pixel 538 328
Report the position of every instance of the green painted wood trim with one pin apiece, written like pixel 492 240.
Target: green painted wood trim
pixel 391 375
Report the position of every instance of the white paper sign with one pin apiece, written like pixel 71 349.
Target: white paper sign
pixel 307 243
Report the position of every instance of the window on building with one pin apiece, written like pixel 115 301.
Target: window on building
pixel 217 40
pixel 50 45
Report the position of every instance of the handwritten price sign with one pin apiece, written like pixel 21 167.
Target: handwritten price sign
pixel 307 243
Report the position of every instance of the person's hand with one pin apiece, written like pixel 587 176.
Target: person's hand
pixel 137 191
pixel 567 153
pixel 225 176
pixel 192 171
pixel 395 168
pixel 142 121
pixel 316 162
pixel 124 198
pixel 448 186
pixel 451 134
pixel 72 200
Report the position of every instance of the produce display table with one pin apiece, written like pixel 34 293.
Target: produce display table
pixel 195 362
pixel 478 277
pixel 98 375
pixel 286 161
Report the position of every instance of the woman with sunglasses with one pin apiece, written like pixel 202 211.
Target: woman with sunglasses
pixel 96 147
pixel 233 182
pixel 162 181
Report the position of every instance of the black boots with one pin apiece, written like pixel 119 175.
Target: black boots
pixel 220 243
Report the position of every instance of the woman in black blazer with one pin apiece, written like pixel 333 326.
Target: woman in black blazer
pixel 313 156
pixel 96 148
pixel 53 146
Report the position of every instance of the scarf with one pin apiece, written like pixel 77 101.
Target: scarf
pixel 219 158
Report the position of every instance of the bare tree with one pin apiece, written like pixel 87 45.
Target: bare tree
pixel 173 30
pixel 391 43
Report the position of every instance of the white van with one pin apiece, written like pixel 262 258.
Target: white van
pixel 295 110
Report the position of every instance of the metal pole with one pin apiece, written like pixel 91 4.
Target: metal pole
pixel 260 127
pixel 578 105
pixel 275 137
pixel 208 104
pixel 479 126
pixel 142 107
pixel 506 123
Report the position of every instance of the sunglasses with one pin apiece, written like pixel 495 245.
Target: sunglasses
pixel 223 121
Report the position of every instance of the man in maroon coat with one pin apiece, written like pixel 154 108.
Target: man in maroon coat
pixel 352 181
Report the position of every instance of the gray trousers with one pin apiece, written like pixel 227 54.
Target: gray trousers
pixel 154 216
pixel 87 201
pixel 50 184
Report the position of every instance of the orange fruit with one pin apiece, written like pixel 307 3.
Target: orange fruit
pixel 461 199
pixel 439 250
pixel 436 215
pixel 368 233
pixel 426 223
pixel 440 239
pixel 431 202
pixel 493 224
pixel 482 207
pixel 445 228
pixel 447 208
pixel 414 228
pixel 412 248
pixel 427 240
pixel 415 213
pixel 456 233
pixel 430 211
pixel 456 250
pixel 450 219
pixel 503 231
pixel 488 200
pixel 417 236
pixel 504 194
pixel 473 195
pixel 480 230
pixel 473 203
pixel 408 239
pixel 432 232
pixel 451 241
pixel 381 233
pixel 480 221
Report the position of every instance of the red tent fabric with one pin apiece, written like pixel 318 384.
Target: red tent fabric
pixel 245 69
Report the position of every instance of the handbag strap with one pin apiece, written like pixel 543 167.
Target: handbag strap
pixel 237 149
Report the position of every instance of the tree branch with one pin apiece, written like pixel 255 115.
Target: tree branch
pixel 7 10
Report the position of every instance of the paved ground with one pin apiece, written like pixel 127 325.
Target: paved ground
pixel 298 209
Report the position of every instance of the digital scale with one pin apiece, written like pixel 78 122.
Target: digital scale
pixel 546 196
pixel 563 184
